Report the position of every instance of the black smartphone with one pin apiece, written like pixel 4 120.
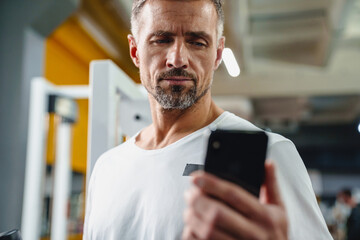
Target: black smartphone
pixel 238 156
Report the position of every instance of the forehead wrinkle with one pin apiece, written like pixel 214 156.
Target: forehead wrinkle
pixel 207 8
pixel 164 16
pixel 157 11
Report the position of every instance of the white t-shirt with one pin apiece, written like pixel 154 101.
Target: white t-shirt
pixel 139 194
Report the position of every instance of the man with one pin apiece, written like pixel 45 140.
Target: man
pixel 351 219
pixel 353 222
pixel 136 189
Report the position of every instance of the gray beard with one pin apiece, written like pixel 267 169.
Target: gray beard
pixel 177 98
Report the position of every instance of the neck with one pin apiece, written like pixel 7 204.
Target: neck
pixel 171 125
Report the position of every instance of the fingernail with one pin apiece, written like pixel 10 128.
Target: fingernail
pixel 199 182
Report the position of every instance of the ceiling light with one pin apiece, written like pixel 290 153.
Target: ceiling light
pixel 359 128
pixel 230 62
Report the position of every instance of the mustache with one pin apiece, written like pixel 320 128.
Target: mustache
pixel 176 72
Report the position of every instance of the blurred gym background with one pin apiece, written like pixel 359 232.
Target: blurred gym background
pixel 300 77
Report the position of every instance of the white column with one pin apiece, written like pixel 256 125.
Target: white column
pixel 35 161
pixel 62 182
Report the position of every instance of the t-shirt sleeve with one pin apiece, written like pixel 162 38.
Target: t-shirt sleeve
pixel 305 218
pixel 88 202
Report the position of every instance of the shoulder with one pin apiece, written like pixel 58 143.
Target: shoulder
pixel 111 155
pixel 231 121
pixel 280 149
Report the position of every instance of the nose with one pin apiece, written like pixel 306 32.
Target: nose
pixel 178 56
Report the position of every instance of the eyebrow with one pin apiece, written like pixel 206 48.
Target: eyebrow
pixel 161 33
pixel 199 34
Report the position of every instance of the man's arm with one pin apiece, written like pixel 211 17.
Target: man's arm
pixel 218 209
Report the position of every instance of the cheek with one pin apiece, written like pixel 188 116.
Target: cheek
pixel 149 67
pixel 206 64
pixel 151 61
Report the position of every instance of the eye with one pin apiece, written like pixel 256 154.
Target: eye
pixel 198 44
pixel 162 41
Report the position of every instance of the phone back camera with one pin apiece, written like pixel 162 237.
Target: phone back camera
pixel 216 144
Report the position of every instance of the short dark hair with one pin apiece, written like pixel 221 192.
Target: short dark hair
pixel 138 5
pixel 346 192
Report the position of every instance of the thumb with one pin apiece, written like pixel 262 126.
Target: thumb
pixel 271 188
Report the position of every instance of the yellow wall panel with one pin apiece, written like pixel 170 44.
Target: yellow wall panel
pixel 69 50
pixel 79 44
pixel 50 153
pixel 63 67
pixel 80 138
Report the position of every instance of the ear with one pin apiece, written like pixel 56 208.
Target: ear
pixel 219 51
pixel 133 50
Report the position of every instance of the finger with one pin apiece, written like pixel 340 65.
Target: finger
pixel 200 229
pixel 230 193
pixel 271 186
pixel 218 235
pixel 187 234
pixel 196 226
pixel 215 214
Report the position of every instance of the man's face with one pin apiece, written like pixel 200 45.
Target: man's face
pixel 176 50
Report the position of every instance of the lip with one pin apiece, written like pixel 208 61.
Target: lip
pixel 177 81
pixel 177 78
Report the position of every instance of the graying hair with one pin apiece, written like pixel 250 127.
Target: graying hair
pixel 138 5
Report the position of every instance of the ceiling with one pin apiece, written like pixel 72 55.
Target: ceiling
pixel 299 60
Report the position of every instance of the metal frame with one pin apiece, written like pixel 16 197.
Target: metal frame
pixel 40 91
pixel 62 181
pixel 110 92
